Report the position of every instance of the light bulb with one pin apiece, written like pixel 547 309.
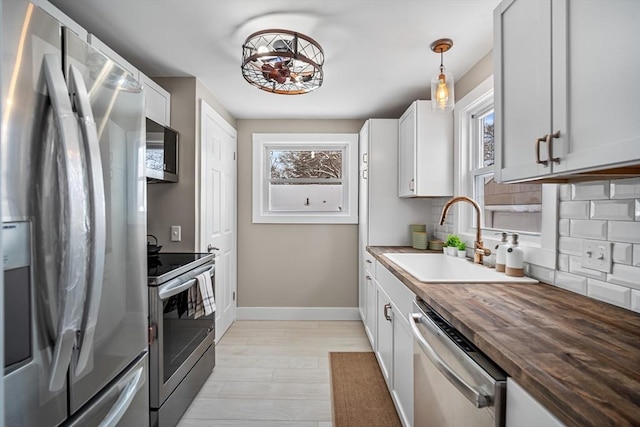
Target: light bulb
pixel 442 92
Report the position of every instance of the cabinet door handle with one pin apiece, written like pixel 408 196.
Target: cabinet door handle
pixel 545 163
pixel 367 277
pixel 387 307
pixel 411 186
pixel 368 261
pixel 549 140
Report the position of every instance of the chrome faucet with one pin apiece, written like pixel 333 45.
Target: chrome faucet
pixel 479 251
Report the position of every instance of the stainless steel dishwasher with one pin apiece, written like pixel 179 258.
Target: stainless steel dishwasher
pixel 455 385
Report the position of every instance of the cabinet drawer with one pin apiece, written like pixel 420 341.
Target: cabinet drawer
pixel 400 295
pixel 370 264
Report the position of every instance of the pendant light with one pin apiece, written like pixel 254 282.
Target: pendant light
pixel 442 97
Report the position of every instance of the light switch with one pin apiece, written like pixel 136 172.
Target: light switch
pixel 597 255
pixel 176 233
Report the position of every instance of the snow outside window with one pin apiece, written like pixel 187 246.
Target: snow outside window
pixel 305 178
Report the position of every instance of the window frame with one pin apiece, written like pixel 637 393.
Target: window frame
pixel 539 249
pixel 264 142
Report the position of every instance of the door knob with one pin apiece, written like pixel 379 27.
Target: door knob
pixel 211 248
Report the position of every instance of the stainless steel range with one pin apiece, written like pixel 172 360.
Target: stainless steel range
pixel 181 350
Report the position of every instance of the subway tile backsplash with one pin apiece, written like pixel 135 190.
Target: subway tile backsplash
pixel 594 190
pixel 635 300
pixel 624 231
pixel 436 231
pixel 571 282
pixel 613 210
pixel 613 294
pixel 599 211
pixel 588 229
pixel 625 188
pixel 605 211
pixel 575 210
pixel 623 253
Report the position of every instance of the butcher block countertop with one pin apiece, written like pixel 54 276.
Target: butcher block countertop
pixel 577 356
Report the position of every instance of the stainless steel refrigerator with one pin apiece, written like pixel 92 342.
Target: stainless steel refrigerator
pixel 73 229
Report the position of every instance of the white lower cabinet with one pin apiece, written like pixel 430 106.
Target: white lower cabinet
pixel 367 295
pixel 402 367
pixel 388 303
pixel 523 410
pixel 384 336
pixel 370 319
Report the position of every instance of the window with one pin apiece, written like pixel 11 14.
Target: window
pixel 308 178
pixel 513 207
pixel 527 208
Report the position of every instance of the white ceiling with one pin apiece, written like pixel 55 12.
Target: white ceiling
pixel 377 56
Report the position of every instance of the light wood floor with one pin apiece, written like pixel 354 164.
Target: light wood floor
pixel 273 374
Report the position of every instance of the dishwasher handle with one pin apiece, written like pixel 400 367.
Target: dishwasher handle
pixel 473 395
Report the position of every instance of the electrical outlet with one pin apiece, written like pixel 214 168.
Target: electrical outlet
pixel 597 255
pixel 176 233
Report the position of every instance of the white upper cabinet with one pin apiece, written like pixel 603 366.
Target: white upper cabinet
pixel 61 17
pixel 425 152
pixel 113 55
pixel 157 101
pixel 567 92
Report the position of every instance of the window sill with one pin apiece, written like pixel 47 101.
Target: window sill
pixel 303 218
pixel 533 252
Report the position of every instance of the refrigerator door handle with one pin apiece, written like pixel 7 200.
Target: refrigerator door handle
pixel 73 263
pixel 129 391
pixel 98 225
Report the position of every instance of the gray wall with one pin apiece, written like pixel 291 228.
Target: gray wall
pixel 177 203
pixel 174 203
pixel 476 75
pixel 292 265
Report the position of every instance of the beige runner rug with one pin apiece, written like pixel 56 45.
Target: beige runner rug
pixel 359 395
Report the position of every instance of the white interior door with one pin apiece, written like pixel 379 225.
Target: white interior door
pixel 218 210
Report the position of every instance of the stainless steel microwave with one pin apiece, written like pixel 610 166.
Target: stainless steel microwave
pixel 162 153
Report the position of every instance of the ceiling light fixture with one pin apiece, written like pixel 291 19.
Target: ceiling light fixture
pixel 442 97
pixel 283 62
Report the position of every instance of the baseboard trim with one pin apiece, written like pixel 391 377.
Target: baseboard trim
pixel 297 313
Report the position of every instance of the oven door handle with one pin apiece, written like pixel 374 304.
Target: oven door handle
pixel 171 289
pixel 200 270
pixel 177 285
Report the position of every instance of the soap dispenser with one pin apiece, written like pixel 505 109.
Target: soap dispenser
pixel 501 252
pixel 515 258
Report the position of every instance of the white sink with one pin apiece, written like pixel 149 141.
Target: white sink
pixel 440 268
